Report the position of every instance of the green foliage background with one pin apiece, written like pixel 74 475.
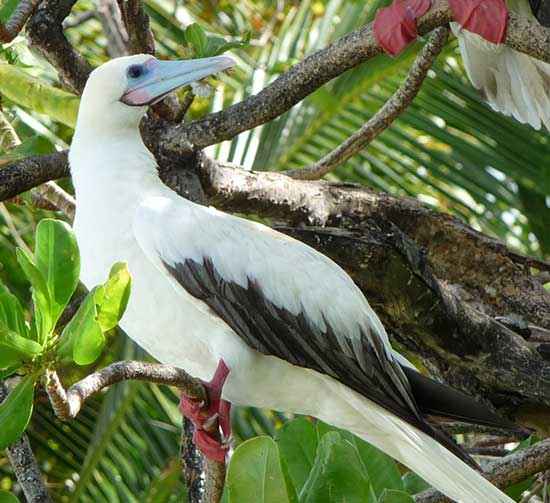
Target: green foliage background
pixel 449 149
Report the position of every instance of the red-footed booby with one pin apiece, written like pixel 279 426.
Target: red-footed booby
pixel 278 324
pixel 511 82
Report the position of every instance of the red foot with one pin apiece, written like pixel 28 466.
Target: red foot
pixel 204 417
pixel 487 18
pixel 395 26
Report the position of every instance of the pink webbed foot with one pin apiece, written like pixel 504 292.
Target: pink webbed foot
pixel 487 18
pixel 205 417
pixel 395 26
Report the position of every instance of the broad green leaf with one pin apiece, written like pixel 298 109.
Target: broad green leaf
pixel 31 93
pixel 14 348
pixel 57 258
pixel 82 339
pixel 6 497
pixel 40 295
pixel 255 473
pixel 394 496
pixel 197 39
pixel 338 474
pixel 11 312
pixel 414 484
pixel 297 441
pixel 382 469
pixel 112 299
pixel 15 412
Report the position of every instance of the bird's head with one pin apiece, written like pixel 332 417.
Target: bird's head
pixel 118 92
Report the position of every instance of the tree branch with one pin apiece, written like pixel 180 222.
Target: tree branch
pixel 321 67
pixel 506 471
pixel 140 37
pixel 17 20
pixel 45 30
pixel 380 121
pixel 67 404
pixel 25 466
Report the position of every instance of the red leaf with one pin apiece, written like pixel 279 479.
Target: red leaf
pixel 487 18
pixel 395 26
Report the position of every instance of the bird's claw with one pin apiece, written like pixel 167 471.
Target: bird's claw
pixel 487 18
pixel 206 416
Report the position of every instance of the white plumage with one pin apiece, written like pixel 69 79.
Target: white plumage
pixel 512 82
pixel 124 212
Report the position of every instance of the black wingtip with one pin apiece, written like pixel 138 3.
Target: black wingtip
pixel 434 398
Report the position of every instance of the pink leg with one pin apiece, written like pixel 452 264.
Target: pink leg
pixel 204 417
pixel 395 26
pixel 487 18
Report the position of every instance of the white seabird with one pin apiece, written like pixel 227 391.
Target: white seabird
pixel 293 329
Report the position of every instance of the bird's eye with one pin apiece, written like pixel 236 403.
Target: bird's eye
pixel 135 71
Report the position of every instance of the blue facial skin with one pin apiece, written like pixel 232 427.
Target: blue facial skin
pixel 150 81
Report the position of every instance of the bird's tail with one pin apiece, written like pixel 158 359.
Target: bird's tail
pixel 512 83
pixel 421 453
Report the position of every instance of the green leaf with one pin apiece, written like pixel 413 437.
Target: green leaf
pixel 6 497
pixel 29 92
pixel 15 412
pixel 7 9
pixel 338 474
pixel 255 473
pixel 217 45
pixel 57 258
pixel 112 299
pixel 82 339
pixel 394 496
pixel 382 469
pixel 11 313
pixel 197 39
pixel 414 484
pixel 40 295
pixel 14 348
pixel 297 441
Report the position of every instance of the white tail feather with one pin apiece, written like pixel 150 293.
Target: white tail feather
pixel 419 452
pixel 512 83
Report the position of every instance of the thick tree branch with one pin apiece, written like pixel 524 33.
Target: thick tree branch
pixel 25 466
pixel 506 471
pixel 45 30
pixel 15 23
pixel 319 68
pixel 380 121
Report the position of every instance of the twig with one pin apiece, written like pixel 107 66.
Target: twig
pixel 185 106
pixel 67 404
pixel 457 428
pixel 215 479
pixel 19 17
pixel 13 229
pixel 113 27
pixel 380 121
pixel 496 452
pixel 58 198
pixel 25 466
pixel 537 486
pixel 506 471
pixel 78 19
pixel 140 36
